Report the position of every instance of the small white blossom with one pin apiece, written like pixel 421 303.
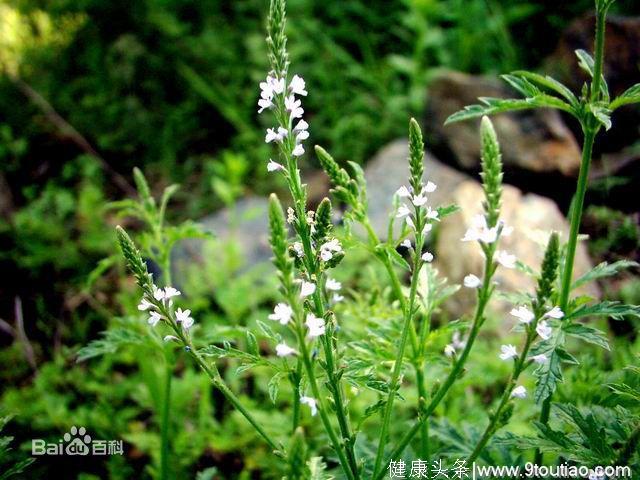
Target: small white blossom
pixel 506 259
pixel 315 325
pixel 409 221
pixel 184 317
pixel 299 249
pixel 297 86
pixel 430 187
pixel 284 350
pixel 540 359
pixel 170 292
pixel 329 248
pixel 337 298
pixel 506 230
pixel 403 192
pixel 403 211
pixel 333 285
pixel 145 305
pixel 479 231
pixel 519 392
pixel 427 228
pixel 307 289
pixel 154 318
pixel 302 135
pixel 406 243
pixel 508 352
pixel 555 312
pixel 313 404
pixel 432 214
pixel 298 151
pixel 170 338
pixel 449 351
pixel 523 314
pixel 275 135
pixel 472 281
pixel 293 106
pixel 291 215
pixel 282 313
pixel 274 166
pixel 158 293
pixel 544 330
pixel 457 342
pixel 301 126
pixel 419 200
pixel 427 257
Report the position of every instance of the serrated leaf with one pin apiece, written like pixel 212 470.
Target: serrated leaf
pixel 613 309
pixel 447 210
pixel 603 270
pixel 630 96
pixel 396 257
pixel 586 334
pixel 585 61
pixel 111 341
pixel 602 114
pixel 625 390
pixel 317 469
pixel 549 83
pixel 274 386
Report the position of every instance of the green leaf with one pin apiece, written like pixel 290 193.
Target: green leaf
pixel 391 252
pixel 274 386
pixel 550 84
pixel 447 210
pixel 587 334
pixel 625 390
pixel 492 106
pixel 585 61
pixel 317 469
pixel 615 310
pixel 630 96
pixel 112 341
pixel 602 114
pixel 603 270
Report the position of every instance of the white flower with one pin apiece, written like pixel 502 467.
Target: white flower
pixel 419 200
pixel 479 231
pixel 297 86
pixel 307 289
pixel 275 135
pixel 299 249
pixel 282 313
pixel 328 248
pixel 145 305
pixel 456 342
pixel 409 221
pixel 427 257
pixel 315 325
pixel 184 317
pixel 506 230
pixel 291 215
pixel 284 350
pixel 170 338
pixel 406 243
pixel 427 228
pixel 508 352
pixel 544 330
pixel 519 392
pixel 158 293
pixel 264 103
pixel 429 187
pixel 449 351
pixel 432 214
pixel 301 126
pixel 506 259
pixel 293 106
pixel 154 318
pixel 333 285
pixel 403 211
pixel 274 166
pixel 313 405
pixel 298 151
pixel 337 298
pixel 540 359
pixel 403 192
pixel 471 281
pixel 555 312
pixel 523 314
pixel 170 292
pixel 302 135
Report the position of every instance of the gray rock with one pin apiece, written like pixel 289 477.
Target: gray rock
pixel 536 140
pixel 389 169
pixel 533 218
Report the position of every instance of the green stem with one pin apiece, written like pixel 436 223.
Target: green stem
pixel 601 25
pixel 483 298
pixel 164 423
pixel 296 396
pixel 406 329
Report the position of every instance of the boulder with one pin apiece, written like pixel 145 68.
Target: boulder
pixel 389 169
pixel 538 140
pixel 533 218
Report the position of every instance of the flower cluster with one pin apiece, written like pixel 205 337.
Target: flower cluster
pixel 417 200
pixel 275 94
pixel 163 297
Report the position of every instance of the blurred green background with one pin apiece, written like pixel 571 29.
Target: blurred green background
pixel 91 88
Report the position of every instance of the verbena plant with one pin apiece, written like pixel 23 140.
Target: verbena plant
pixel 317 353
